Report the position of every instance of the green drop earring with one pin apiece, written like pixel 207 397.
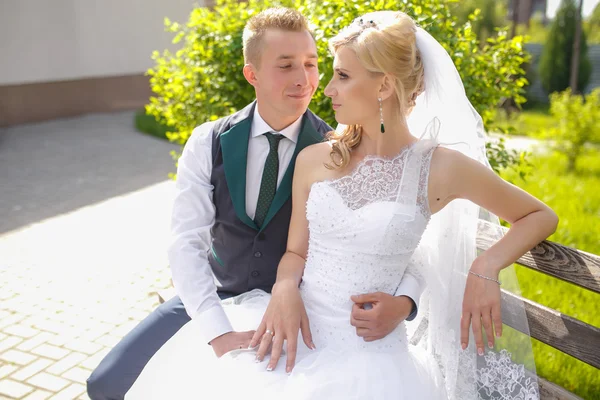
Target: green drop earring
pixel 381 114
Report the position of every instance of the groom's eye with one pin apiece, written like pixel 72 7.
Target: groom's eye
pixel 285 66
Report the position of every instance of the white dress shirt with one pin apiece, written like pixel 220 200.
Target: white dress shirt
pixel 194 214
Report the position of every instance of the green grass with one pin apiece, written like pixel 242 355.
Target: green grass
pixel 147 124
pixel 529 122
pixel 575 197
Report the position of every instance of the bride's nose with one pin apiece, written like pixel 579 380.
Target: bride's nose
pixel 330 90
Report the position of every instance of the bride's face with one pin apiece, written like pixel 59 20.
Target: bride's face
pixel 353 90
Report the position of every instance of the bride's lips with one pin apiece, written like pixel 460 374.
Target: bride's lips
pixel 336 106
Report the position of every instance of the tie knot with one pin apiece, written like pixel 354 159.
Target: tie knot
pixel 273 139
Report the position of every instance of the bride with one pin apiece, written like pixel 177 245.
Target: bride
pixel 401 183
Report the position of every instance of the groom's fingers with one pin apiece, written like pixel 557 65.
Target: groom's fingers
pixel 366 298
pixel 359 313
pixel 359 323
pixel 364 332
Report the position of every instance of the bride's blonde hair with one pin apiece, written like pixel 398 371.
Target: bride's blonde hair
pixel 385 43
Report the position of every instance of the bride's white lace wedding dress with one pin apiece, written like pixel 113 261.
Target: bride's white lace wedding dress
pixel 353 249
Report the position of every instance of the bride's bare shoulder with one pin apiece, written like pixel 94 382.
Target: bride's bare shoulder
pixel 312 160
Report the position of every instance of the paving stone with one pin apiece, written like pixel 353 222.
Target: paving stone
pixel 67 363
pixel 49 382
pixel 70 392
pixel 32 369
pixel 49 351
pixel 17 357
pixel 39 395
pixel 21 331
pixel 9 342
pixel 14 389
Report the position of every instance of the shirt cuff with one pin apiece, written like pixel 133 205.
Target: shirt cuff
pixel 212 323
pixel 410 288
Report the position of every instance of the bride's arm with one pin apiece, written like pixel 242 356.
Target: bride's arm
pixel 286 314
pixel 531 222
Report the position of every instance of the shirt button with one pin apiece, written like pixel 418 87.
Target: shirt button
pixel 258 254
pixel 255 274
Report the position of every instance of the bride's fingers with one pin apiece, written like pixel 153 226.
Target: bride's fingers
pixel 292 347
pixel 260 331
pixel 476 324
pixel 486 318
pixel 275 352
pixel 306 333
pixel 497 318
pixel 465 322
pixel 265 344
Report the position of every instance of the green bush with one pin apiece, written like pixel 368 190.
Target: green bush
pixel 203 80
pixel 577 125
pixel 555 61
pixel 148 124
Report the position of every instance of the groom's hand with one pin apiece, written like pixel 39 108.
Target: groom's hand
pixel 231 341
pixel 375 315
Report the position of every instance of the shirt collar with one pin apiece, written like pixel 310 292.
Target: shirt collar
pixel 259 127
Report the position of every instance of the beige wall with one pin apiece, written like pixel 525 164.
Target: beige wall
pixel 56 40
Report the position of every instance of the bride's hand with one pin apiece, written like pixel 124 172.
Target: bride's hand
pixel 481 306
pixel 284 317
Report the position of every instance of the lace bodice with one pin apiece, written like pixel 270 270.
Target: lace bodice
pixel 357 246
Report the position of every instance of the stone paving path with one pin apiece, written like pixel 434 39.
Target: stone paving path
pixel 73 284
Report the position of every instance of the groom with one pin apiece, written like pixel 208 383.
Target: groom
pixel 232 209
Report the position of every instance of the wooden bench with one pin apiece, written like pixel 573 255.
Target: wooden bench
pixel 567 334
pixel 564 333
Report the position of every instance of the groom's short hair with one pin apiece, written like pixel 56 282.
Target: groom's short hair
pixel 285 19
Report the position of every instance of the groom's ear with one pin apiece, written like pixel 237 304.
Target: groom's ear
pixel 387 88
pixel 250 74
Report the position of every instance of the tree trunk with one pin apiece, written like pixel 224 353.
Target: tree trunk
pixel 576 51
pixel 515 18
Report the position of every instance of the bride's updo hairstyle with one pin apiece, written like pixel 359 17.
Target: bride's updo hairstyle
pixel 385 43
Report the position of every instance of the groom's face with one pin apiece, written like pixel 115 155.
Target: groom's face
pixel 287 75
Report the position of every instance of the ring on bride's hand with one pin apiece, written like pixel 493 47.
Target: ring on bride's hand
pixel 269 332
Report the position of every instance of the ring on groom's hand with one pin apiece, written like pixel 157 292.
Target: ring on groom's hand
pixel 269 332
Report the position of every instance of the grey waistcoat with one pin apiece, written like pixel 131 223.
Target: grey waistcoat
pixel 243 257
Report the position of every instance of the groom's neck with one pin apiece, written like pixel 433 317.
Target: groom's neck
pixel 274 118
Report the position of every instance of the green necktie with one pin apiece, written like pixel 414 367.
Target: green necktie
pixel 268 183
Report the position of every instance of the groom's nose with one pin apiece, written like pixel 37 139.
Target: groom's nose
pixel 301 78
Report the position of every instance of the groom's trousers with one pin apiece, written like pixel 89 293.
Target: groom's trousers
pixel 123 364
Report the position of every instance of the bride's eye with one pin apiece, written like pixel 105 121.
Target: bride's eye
pixel 342 75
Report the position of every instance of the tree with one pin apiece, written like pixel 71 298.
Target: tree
pixel 577 126
pixel 576 49
pixel 555 62
pixel 203 81
pixel 592 26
